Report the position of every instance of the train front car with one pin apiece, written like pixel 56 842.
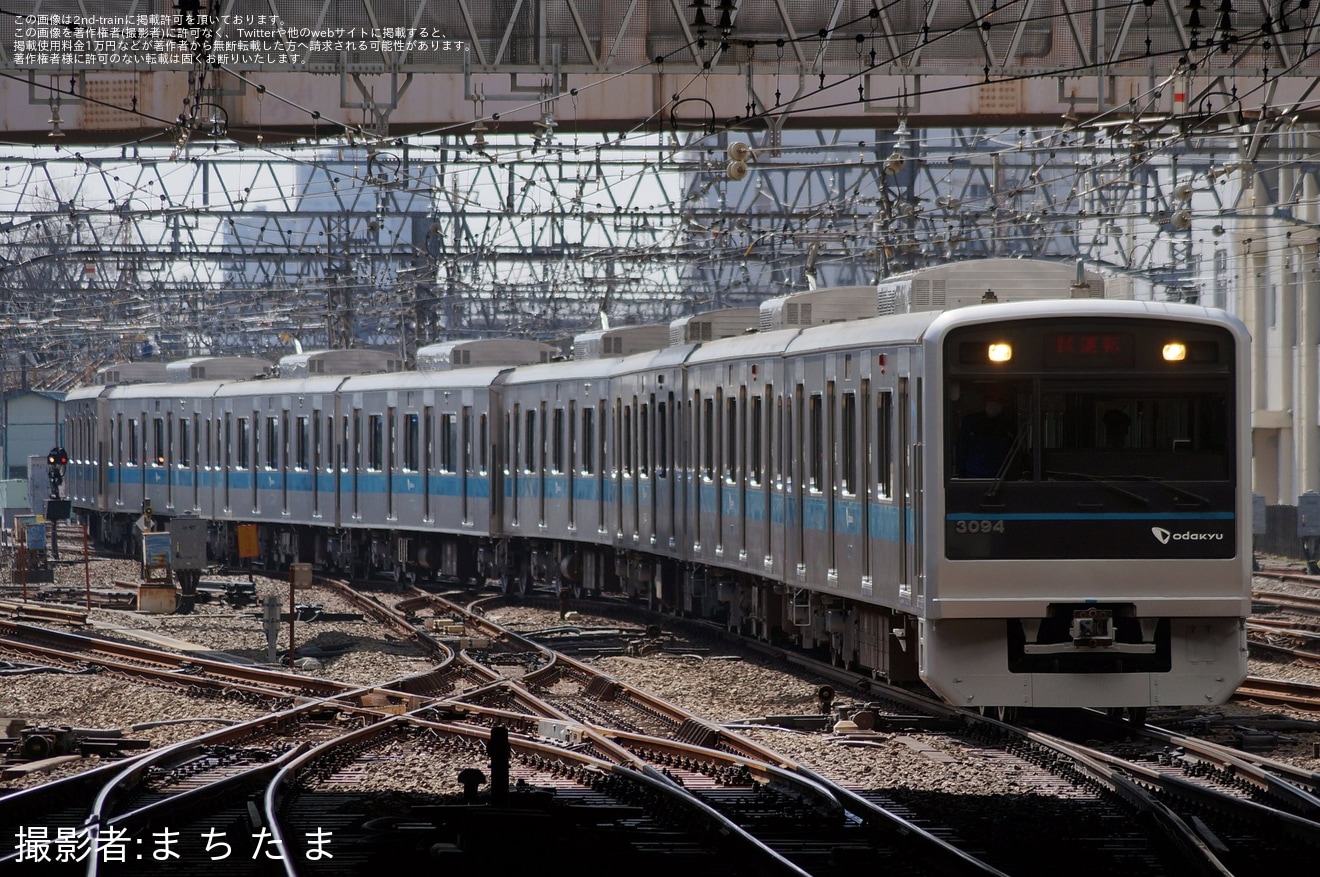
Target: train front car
pixel 1090 516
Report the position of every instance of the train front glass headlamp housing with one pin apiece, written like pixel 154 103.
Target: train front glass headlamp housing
pixel 999 351
pixel 1174 351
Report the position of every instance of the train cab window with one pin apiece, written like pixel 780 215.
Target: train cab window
pixel 990 423
pixel 375 442
pixel 185 447
pixel 1103 434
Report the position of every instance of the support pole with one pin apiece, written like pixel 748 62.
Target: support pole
pixel 292 655
pixel 87 568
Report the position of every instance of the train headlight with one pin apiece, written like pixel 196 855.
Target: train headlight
pixel 1175 351
pixel 1000 351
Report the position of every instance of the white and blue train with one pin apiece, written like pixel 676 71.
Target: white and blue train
pixel 996 481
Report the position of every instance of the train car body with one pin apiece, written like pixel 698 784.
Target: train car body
pixel 1039 501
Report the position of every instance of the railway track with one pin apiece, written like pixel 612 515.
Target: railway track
pixel 1179 807
pixel 62 648
pixel 589 748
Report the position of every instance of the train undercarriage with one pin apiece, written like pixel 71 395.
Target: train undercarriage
pixel 861 637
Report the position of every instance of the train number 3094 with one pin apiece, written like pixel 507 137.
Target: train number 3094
pixel 978 526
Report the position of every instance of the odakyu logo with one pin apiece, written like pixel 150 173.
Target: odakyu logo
pixel 1166 536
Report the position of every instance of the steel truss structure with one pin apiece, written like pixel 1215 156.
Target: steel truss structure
pixel 521 183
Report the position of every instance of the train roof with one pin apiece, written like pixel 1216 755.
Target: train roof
pixel 130 373
pixel 269 387
pixel 893 329
pixel 760 344
pixel 472 376
pixel 204 368
pixel 568 370
pixel 471 352
pixel 1080 307
pixel 964 283
pixel 353 361
pixel 714 325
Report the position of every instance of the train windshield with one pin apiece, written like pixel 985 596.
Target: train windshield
pixel 1060 429
pixel 1095 431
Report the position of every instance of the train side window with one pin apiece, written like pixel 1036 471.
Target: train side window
pixel 272 443
pixel 511 441
pixel 244 443
pixel 483 442
pixel 185 448
pixel 318 442
pixel 346 442
pixel 848 443
pixel 557 441
pixel 588 441
pixel 412 442
pixel 301 444
pixel 708 439
pixel 627 440
pixel 754 442
pixel 428 439
pixel 467 439
pixel 158 441
pixel 694 416
pixel 542 447
pixel 391 439
pixel 375 442
pixel 529 446
pixel 448 456
pixel 662 439
pixel 731 441
pixel 815 441
pixel 787 447
pixel 884 443
pixel 644 438
pixel 256 446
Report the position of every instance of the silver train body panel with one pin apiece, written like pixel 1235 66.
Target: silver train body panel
pixel 806 484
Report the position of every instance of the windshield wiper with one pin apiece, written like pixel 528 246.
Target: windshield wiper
pixel 1135 497
pixel 1176 491
pixel 1019 440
